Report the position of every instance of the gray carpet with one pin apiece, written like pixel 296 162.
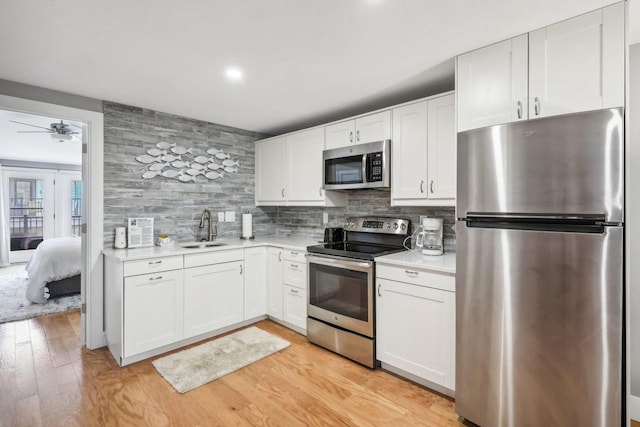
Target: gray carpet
pixel 199 365
pixel 15 306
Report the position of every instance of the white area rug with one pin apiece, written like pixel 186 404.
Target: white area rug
pixel 15 306
pixel 197 366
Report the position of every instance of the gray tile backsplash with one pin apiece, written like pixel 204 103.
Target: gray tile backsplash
pixel 176 206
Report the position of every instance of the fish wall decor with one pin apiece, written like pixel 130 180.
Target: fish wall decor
pixel 170 161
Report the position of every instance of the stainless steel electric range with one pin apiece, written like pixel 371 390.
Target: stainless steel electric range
pixel 341 280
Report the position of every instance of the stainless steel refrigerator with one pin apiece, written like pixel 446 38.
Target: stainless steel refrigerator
pixel 539 274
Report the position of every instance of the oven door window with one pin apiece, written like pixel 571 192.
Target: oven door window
pixel 345 170
pixel 339 291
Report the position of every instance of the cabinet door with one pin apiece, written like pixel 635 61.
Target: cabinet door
pixel 274 284
pixel 441 164
pixel 255 282
pixel 578 64
pixel 271 162
pixel 491 84
pixel 153 311
pixel 304 151
pixel 409 152
pixel 374 127
pixel 295 306
pixel 416 330
pixel 339 134
pixel 213 297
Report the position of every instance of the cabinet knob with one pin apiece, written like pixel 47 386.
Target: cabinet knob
pixel 422 186
pixel 519 109
pixel 536 105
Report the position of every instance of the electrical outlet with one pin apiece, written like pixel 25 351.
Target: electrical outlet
pixel 220 216
pixel 229 216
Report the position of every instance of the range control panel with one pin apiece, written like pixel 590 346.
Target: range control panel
pixel 377 225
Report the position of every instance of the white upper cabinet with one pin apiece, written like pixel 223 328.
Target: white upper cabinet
pixel 289 171
pixel 271 172
pixel 304 164
pixel 441 141
pixel 491 84
pixel 424 153
pixel 369 128
pixel 575 65
pixel 578 64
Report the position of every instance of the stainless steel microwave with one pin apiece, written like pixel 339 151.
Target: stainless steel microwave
pixel 357 166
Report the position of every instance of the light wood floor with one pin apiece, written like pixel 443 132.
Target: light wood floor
pixel 46 378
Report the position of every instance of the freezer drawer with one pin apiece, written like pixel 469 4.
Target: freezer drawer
pixel 539 327
pixel 562 165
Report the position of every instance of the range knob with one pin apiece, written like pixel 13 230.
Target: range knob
pixel 403 226
pixel 389 225
pixel 395 225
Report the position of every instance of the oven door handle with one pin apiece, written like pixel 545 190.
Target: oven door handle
pixel 339 262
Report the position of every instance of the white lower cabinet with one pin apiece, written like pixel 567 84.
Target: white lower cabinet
pixel 213 297
pixel 153 311
pixel 255 282
pixel 274 283
pixel 415 325
pixel 294 305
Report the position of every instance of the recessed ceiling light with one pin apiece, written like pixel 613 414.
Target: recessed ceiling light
pixel 234 74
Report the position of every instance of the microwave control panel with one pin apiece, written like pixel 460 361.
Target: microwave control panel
pixel 374 167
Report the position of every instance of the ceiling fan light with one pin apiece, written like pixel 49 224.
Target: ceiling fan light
pixel 61 136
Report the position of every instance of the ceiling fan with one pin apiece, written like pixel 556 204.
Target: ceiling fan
pixel 61 130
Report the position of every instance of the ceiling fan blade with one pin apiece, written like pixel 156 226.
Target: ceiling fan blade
pixel 29 124
pixel 33 131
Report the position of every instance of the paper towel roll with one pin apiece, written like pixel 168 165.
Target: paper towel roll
pixel 247 226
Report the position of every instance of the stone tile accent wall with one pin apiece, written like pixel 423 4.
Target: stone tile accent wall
pixel 308 221
pixel 176 206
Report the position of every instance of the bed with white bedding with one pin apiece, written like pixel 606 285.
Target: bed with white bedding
pixel 54 269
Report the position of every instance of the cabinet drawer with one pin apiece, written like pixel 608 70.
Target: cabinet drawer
pixel 297 256
pixel 295 273
pixel 152 265
pixel 215 257
pixel 416 276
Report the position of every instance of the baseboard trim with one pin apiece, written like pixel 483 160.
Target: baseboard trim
pixel 634 408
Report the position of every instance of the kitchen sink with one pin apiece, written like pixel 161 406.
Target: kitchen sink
pixel 200 245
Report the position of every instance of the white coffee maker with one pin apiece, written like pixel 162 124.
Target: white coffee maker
pixel 429 237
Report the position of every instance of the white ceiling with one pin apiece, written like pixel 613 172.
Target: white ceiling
pixel 305 62
pixel 37 147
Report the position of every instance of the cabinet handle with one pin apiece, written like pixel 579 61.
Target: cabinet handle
pixel 536 105
pixel 431 186
pixel 294 266
pixel 379 293
pixel 411 273
pixel 282 193
pixel 351 136
pixel 294 253
pixel 519 110
pixel 320 191
pixel 151 279
pixel 358 136
pixel 241 269
pixel 280 256
pixel 155 262
pixel 422 186
pixel 294 291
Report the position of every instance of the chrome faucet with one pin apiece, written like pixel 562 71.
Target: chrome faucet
pixel 212 232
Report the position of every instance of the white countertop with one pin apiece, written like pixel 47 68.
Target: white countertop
pixel 445 263
pixel 293 243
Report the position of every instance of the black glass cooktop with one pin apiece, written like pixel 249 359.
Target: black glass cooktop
pixel 353 250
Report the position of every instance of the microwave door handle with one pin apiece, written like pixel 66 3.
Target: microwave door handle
pixel 364 168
